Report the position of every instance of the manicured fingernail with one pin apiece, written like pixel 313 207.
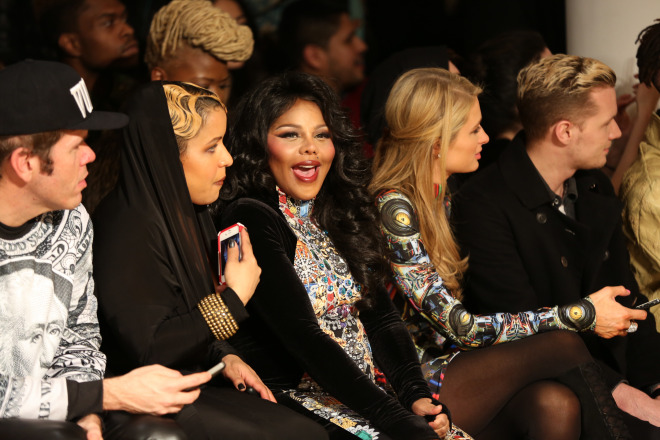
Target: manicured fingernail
pixel 232 243
pixel 241 386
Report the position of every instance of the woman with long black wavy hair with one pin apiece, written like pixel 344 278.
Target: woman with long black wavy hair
pixel 320 307
pixel 156 276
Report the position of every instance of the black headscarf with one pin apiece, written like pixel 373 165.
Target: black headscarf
pixel 152 183
pixel 381 80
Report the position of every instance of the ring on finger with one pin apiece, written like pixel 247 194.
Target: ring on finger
pixel 633 327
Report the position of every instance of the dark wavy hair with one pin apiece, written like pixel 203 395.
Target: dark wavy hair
pixel 648 55
pixel 343 206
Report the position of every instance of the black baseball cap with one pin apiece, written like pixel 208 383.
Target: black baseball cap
pixel 39 96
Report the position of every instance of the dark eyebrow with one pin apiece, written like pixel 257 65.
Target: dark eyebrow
pixel 107 15
pixel 287 126
pixel 122 14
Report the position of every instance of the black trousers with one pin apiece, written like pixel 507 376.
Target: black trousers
pixel 220 413
pixel 13 429
pixel 223 413
pixel 119 426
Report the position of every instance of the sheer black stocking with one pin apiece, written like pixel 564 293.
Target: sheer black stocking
pixel 544 410
pixel 479 384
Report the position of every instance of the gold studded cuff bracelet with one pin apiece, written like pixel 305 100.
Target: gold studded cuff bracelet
pixel 217 316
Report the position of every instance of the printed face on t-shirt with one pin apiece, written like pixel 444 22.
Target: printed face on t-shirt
pixel 34 320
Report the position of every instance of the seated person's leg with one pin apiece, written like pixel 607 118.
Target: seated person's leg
pixel 120 425
pixel 478 384
pixel 542 410
pixel 13 429
pixel 226 414
pixel 335 432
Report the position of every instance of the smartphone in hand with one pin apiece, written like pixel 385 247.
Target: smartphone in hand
pixel 226 236
pixel 217 369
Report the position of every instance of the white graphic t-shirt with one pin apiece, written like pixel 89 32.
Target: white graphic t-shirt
pixel 48 325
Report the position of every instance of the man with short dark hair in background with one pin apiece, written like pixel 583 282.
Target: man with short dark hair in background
pixel 95 38
pixel 319 37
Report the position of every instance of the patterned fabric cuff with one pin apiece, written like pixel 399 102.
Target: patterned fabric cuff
pixel 217 316
pixel 591 305
pixel 579 316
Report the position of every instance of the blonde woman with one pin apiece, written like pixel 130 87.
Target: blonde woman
pixel 157 271
pixel 541 387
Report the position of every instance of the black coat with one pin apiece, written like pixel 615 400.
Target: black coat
pixel 524 253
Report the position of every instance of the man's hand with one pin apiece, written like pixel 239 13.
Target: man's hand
pixel 612 319
pixel 153 389
pixel 240 374
pixel 91 423
pixel 424 407
pixel 637 403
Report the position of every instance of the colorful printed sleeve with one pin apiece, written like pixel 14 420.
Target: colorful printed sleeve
pixel 416 277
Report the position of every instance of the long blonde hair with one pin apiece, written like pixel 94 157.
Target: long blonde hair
pixel 426 108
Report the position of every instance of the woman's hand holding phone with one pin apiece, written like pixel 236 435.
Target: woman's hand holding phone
pixel 242 276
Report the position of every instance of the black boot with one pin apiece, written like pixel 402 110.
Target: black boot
pixel 601 418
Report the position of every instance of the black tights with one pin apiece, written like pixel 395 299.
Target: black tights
pixel 496 390
pixel 542 410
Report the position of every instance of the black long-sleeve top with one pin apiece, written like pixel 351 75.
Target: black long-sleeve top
pixel 142 311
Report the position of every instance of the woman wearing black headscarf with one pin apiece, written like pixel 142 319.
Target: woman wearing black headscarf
pixel 157 267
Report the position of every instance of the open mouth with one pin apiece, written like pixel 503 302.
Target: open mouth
pixel 306 171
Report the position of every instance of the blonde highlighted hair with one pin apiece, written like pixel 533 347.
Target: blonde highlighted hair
pixel 189 107
pixel 559 87
pixel 197 24
pixel 426 108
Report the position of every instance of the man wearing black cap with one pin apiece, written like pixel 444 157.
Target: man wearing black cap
pixel 50 363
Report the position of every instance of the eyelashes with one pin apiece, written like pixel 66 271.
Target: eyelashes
pixel 295 135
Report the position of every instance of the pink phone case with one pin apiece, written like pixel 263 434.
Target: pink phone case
pixel 224 236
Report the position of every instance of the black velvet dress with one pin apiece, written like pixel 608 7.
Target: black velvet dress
pixel 303 320
pixel 155 261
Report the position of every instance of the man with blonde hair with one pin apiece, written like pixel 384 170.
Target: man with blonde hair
pixel 192 41
pixel 542 225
